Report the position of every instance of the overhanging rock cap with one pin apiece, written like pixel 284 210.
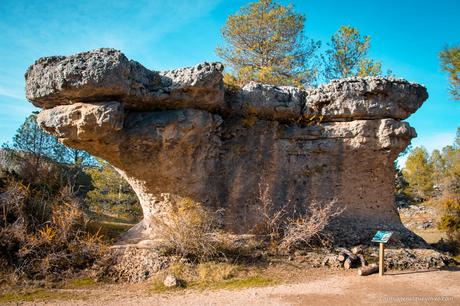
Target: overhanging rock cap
pixel 107 75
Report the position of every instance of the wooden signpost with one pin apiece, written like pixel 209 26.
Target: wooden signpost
pixel 382 237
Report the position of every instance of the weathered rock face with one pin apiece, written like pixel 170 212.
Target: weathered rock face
pixel 179 134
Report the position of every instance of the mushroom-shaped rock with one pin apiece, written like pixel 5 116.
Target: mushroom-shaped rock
pixel 178 134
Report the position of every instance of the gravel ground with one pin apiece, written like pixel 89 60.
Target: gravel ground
pixel 421 287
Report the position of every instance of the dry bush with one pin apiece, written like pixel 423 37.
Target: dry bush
pixel 42 234
pixel 12 202
pixel 309 228
pixel 11 239
pixel 238 246
pixel 271 220
pixel 285 234
pixel 188 230
pixel 201 276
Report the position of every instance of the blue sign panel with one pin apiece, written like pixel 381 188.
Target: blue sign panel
pixel 382 236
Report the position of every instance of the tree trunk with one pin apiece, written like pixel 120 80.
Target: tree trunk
pixel 348 253
pixel 342 257
pixel 364 271
pixel 348 264
pixel 357 250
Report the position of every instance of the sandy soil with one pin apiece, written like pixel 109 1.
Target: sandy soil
pixel 320 288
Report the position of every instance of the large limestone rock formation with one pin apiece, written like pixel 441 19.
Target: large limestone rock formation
pixel 180 134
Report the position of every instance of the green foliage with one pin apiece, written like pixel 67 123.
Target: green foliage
pixel 265 42
pixel 30 138
pixel 437 179
pixel 33 151
pixel 457 139
pixel 346 55
pixel 445 165
pixel 110 193
pixel 80 282
pixel 450 221
pixel 401 184
pixel 450 63
pixel 247 282
pixel 368 67
pixel 231 82
pixel 418 173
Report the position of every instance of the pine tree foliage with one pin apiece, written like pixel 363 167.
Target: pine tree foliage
pixel 450 63
pixel 33 146
pixel 418 173
pixel 347 55
pixel 265 42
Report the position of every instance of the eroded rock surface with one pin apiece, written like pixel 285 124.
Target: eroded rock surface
pixel 179 134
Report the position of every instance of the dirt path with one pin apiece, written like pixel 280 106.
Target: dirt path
pixel 323 288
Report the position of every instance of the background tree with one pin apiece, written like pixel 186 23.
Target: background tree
pixel 451 174
pixel 457 139
pixel 437 180
pixel 346 55
pixel 265 42
pixel 438 166
pixel 449 199
pixel 32 149
pixel 32 141
pixel 418 173
pixel 111 193
pixel 450 63
pixel 30 138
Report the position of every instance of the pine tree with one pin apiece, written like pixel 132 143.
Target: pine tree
pixel 346 55
pixel 450 63
pixel 33 147
pixel 418 173
pixel 265 42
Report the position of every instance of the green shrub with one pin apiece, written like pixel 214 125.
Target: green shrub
pixel 450 221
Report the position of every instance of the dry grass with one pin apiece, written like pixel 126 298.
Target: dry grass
pixel 212 275
pixel 216 272
pixel 36 295
pixel 80 283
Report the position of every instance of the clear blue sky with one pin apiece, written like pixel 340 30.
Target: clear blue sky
pixel 406 36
